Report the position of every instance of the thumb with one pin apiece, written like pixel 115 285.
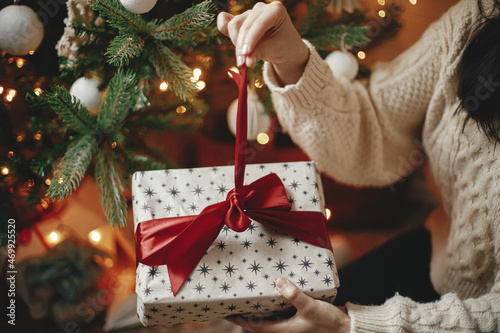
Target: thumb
pixel 222 21
pixel 292 294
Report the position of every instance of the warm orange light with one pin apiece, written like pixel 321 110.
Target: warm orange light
pixel 381 2
pixel 234 69
pixel 95 236
pixel 31 52
pixel 1 90
pixel 19 138
pixel 180 109
pixel 9 98
pixel 20 62
pixel 164 86
pixel 48 181
pixel 263 138
pixel 361 55
pixel 328 214
pixel 201 85
pixel 197 72
pixel 38 136
pixel 258 84
pixel 5 171
pixel 10 154
pixel 38 91
pixel 54 236
pixel 413 2
pixel 381 13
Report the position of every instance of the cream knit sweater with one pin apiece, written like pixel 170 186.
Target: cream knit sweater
pixel 371 133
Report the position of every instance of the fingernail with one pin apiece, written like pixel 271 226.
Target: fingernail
pixel 281 283
pixel 244 49
pixel 240 60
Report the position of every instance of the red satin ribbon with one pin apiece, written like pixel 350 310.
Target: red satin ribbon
pixel 181 242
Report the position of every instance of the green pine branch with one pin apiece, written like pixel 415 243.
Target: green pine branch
pixel 71 170
pixel 118 17
pixel 186 24
pixel 110 189
pixel 123 48
pixel 171 69
pixel 316 12
pixel 354 35
pixel 121 96
pixel 70 110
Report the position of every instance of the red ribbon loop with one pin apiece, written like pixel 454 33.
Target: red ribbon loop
pixel 181 242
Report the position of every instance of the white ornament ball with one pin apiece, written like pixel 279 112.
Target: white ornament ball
pixel 138 6
pixel 21 31
pixel 87 91
pixel 343 64
pixel 258 120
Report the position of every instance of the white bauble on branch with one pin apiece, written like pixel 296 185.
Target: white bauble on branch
pixel 87 91
pixel 343 63
pixel 21 31
pixel 138 6
pixel 258 120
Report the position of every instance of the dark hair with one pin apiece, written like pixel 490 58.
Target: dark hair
pixel 479 84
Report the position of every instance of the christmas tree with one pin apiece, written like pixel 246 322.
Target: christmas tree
pixel 131 59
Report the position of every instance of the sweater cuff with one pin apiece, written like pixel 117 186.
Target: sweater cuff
pixel 304 92
pixel 364 318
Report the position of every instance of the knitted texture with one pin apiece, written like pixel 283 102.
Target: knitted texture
pixel 372 133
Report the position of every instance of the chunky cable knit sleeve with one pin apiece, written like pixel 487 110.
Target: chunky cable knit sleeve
pixel 362 133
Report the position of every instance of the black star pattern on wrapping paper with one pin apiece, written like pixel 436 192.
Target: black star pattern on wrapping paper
pixel 306 263
pixel 225 287
pixel 294 256
pixel 154 310
pixel 153 272
pixel 319 255
pixel 193 207
pixel 174 192
pixel 218 262
pixel 291 200
pixel 199 288
pixel 282 304
pixel 294 185
pixel 261 235
pixel 147 291
pixel 266 276
pixel 315 185
pixel 188 280
pixel 329 263
pixel 252 228
pixel 169 208
pixel 314 200
pixel 190 171
pixel 291 275
pixel 280 266
pixel 215 279
pixel 230 269
pixel 255 267
pixel 296 240
pixel 221 246
pixel 143 173
pixel 269 259
pixel 271 242
pixel 251 286
pixel 286 166
pixel 302 282
pixel 232 307
pixel 257 306
pixel 244 260
pixel 148 317
pixel 145 207
pixel 241 278
pixel 149 192
pixel 180 309
pixel 236 236
pixel 316 272
pixel 159 201
pixel 246 244
pixel 198 190
pixel 214 169
pixel 204 269
pixel 327 280
pixel 222 189
pixel 262 167
pixel 173 317
pixel 226 229
pixel 167 172
pixel 163 281
pixel 208 198
pixel 305 192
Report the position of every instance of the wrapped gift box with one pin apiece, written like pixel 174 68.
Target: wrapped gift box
pixel 237 273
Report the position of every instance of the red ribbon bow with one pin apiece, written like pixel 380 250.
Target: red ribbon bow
pixel 181 242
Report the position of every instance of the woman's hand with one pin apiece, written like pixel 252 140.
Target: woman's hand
pixel 312 315
pixel 266 32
